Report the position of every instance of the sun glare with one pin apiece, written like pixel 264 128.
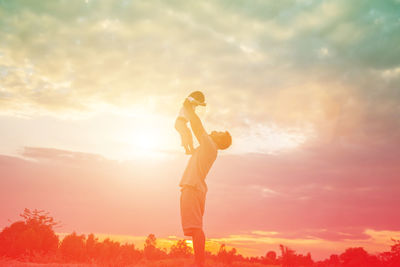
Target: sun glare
pixel 146 139
pixel 147 135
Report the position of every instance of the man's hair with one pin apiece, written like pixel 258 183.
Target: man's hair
pixel 225 141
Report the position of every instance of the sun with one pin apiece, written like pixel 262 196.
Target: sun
pixel 148 135
pixel 146 139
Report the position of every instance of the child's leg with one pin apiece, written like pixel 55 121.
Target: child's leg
pixel 186 134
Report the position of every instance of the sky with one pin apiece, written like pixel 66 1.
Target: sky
pixel 309 90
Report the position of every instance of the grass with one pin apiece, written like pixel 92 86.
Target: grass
pixel 161 263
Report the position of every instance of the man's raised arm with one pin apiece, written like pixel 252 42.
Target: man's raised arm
pixel 195 122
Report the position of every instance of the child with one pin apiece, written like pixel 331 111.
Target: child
pixel 196 99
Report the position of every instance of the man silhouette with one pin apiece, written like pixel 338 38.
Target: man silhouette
pixel 193 185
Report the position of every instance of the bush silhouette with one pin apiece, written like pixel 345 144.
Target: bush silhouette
pixel 91 247
pixel 33 239
pixel 290 258
pixel 358 257
pixel 226 256
pixel 76 248
pixel 270 258
pixel 180 250
pixel 151 252
pixel 394 254
pixel 73 248
pixel 29 238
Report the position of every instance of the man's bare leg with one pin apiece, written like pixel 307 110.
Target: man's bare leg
pixel 199 242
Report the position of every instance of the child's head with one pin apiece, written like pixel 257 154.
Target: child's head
pixel 198 97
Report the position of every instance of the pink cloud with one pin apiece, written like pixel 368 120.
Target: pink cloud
pixel 330 194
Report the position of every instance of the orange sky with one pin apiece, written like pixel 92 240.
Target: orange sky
pixel 89 91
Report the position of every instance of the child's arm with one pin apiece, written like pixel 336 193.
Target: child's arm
pixel 195 122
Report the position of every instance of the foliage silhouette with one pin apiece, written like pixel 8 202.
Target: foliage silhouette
pixel 180 250
pixel 226 256
pixel 355 257
pixel 289 258
pixel 392 257
pixel 33 240
pixel 270 258
pixel 29 238
pixel 73 248
pixel 151 252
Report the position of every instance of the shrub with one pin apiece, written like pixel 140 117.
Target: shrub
pixel 30 238
pixel 180 250
pixel 73 248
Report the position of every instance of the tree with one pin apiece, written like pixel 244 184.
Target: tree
pixel 108 251
pixel 226 256
pixel 270 258
pixel 180 249
pixel 128 255
pixel 39 216
pixel 151 252
pixel 289 258
pixel 150 247
pixel 91 247
pixel 73 248
pixel 392 257
pixel 32 238
pixel 354 257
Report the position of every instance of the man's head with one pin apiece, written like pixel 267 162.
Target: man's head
pixel 222 139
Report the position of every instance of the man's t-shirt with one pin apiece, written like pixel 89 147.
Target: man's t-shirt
pixel 200 163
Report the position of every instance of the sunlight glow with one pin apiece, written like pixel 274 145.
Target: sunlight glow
pixel 148 135
pixel 146 139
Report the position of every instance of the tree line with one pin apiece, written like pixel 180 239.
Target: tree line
pixel 33 239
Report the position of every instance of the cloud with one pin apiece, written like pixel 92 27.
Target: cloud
pixel 320 248
pixel 340 188
pixel 80 188
pixel 302 200
pixel 38 153
pixel 308 89
pixel 294 64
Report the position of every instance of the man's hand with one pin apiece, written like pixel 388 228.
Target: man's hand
pixel 195 121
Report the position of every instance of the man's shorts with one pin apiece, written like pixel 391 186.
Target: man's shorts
pixel 192 208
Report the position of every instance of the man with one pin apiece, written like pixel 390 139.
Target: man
pixel 193 185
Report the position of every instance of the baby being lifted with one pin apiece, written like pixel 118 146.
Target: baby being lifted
pixel 196 99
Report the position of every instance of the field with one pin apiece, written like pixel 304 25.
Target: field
pixel 161 263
